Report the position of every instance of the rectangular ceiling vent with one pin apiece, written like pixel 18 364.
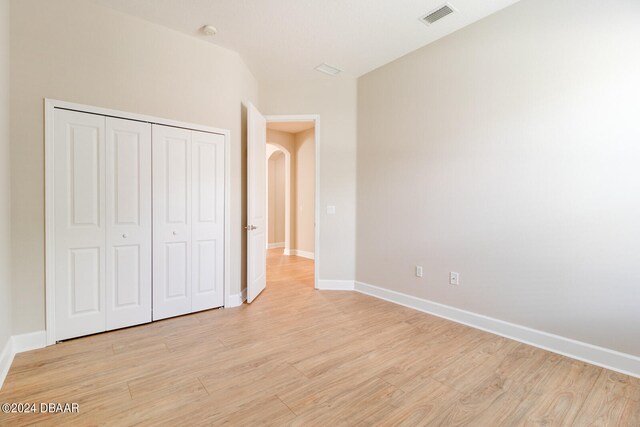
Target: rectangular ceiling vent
pixel 328 69
pixel 437 14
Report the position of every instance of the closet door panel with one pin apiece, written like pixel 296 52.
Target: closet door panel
pixel 79 209
pixel 129 229
pixel 208 220
pixel 171 221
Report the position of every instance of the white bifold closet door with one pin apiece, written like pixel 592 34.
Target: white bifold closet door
pixel 129 231
pixel 188 221
pixel 102 194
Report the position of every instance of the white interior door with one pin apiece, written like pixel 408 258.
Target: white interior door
pixel 80 225
pixel 207 215
pixel 256 203
pixel 128 215
pixel 172 194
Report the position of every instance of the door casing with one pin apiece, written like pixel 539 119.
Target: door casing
pixel 316 119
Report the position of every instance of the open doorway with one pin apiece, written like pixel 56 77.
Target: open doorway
pixel 291 202
pixel 303 204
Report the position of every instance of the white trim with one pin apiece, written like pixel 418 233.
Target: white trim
pixel 49 106
pixel 610 359
pixel 303 254
pixel 49 222
pixel 18 344
pixel 287 252
pixel 30 341
pixel 336 285
pixel 306 118
pixel 83 108
pixel 275 245
pixel 236 300
pixel 227 218
pixel 6 358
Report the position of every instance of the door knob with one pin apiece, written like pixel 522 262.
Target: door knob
pixel 250 227
pixel 175 233
pixel 125 235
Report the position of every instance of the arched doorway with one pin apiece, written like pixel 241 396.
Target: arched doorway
pixel 273 151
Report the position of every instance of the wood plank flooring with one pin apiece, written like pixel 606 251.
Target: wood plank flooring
pixel 302 357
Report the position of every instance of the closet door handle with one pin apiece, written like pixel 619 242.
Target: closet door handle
pixel 125 235
pixel 175 233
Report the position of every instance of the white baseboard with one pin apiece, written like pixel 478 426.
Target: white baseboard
pixel 275 245
pixel 335 285
pixel 18 344
pixel 287 252
pixel 303 254
pixel 6 357
pixel 616 361
pixel 30 341
pixel 237 300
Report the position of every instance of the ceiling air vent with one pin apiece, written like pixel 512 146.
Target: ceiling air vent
pixel 328 69
pixel 437 14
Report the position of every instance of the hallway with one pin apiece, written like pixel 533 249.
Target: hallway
pixel 288 272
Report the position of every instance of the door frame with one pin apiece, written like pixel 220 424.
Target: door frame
pixel 316 119
pixel 49 108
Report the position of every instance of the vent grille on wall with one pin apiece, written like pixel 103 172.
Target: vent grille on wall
pixel 437 14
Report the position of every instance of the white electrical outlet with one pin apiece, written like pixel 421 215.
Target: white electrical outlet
pixel 418 271
pixel 454 278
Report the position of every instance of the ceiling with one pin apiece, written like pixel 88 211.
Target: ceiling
pixel 291 127
pixel 286 39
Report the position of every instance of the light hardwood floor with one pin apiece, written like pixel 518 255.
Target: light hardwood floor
pixel 297 356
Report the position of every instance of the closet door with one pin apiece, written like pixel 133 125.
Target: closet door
pixel 80 225
pixel 207 220
pixel 128 236
pixel 171 221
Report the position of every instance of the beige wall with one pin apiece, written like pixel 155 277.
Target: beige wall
pixel 305 191
pixel 286 142
pixel 335 101
pixel 508 152
pixel 301 148
pixel 5 182
pixel 276 197
pixel 282 139
pixel 80 52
